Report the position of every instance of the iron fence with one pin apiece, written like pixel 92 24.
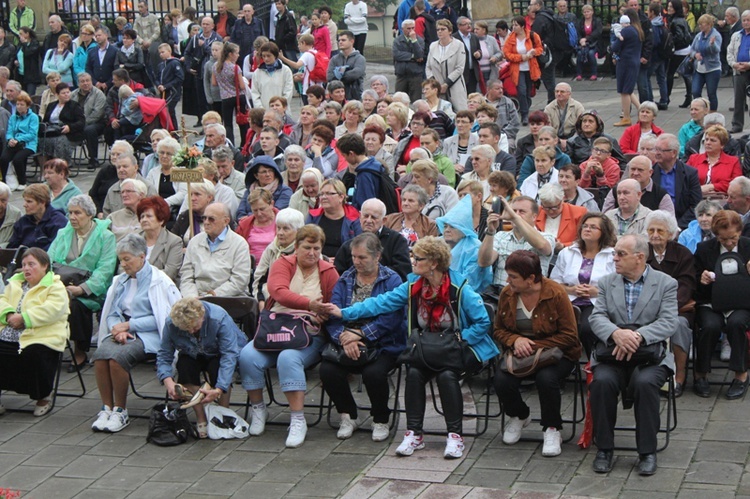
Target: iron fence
pixel 606 10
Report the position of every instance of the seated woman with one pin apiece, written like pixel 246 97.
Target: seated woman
pixel 302 281
pixel 34 310
pixel 294 160
pixel 409 141
pixel 374 137
pixel 569 176
pixel 202 195
pixel 86 244
pixel 428 291
pixel 288 222
pixel 259 229
pixel 441 198
pixel 647 113
pixel 125 221
pixel 306 196
pixel 64 122
pixel 322 156
pixel 49 96
pixel 338 219
pixel 534 312
pixel 727 227
pixel 62 188
pixel 699 230
pixel 715 167
pixel 39 226
pixel 151 161
pixel 302 130
pixel 479 211
pixel 547 137
pixel 164 248
pixel 263 173
pixel 410 222
pixel 457 228
pixel 557 217
pixel 21 139
pixel 206 340
pixel 174 193
pixel 580 266
pixel 668 256
pixel 354 115
pixel 135 311
pixel 544 163
pixel 384 332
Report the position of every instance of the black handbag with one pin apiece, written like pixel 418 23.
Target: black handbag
pixel 333 352
pixel 279 331
pixel 645 355
pixel 70 276
pixel 438 351
pixel 686 67
pixel 51 129
pixel 732 285
pixel 169 425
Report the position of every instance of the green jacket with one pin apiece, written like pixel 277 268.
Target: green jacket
pixel 61 201
pixel 98 257
pixel 446 167
pixel 27 19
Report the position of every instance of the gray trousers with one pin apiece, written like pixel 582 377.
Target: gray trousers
pixel 740 81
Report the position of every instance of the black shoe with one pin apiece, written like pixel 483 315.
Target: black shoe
pixel 647 464
pixel 737 389
pixel 603 461
pixel 701 387
pixel 736 129
pixel 678 389
pixel 93 164
pixel 525 122
pixel 686 104
pixel 73 367
pixel 662 106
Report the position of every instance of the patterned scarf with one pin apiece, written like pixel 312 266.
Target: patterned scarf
pixel 544 179
pixel 434 304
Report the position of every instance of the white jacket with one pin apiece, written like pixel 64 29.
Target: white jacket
pixel 355 17
pixel 569 264
pixel 530 186
pixel 226 271
pixel 267 85
pixel 450 146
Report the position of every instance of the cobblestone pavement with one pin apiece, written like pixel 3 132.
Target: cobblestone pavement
pixel 59 456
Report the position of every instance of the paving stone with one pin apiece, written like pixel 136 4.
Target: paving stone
pixel 124 477
pixel 665 480
pixel 26 441
pixel 181 469
pixel 151 456
pixel 603 487
pixel 688 493
pixel 708 472
pixel 679 454
pixel 119 445
pixel 692 419
pixel 343 463
pixel 362 444
pixel 507 458
pixel 9 429
pixel 56 455
pixel 547 471
pixel 637 494
pixel 285 468
pixel 89 467
pixel 249 462
pixel 58 425
pixel 485 493
pixel 536 495
pixel 489 478
pixel 160 490
pixel 408 474
pixel 531 489
pixel 25 477
pixel 443 491
pixel 219 484
pixel 322 485
pixel 402 489
pixel 10 461
pixel 420 460
pixel 266 490
pixel 364 487
pixel 60 488
pixel 97 494
pixel 731 452
pixel 725 431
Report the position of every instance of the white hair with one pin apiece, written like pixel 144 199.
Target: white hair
pixel 376 204
pixel 551 193
pixel 664 217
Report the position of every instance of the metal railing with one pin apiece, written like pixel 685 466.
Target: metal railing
pixel 606 10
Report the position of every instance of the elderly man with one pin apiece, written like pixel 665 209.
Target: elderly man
pixel 127 167
pixel 489 134
pixel 224 21
pixel 497 246
pixel 12 89
pixel 698 111
pixel 246 29
pixel 223 156
pixel 630 216
pixel 100 63
pixel 217 261
pixel 93 101
pixel 9 215
pixel 56 28
pixel 473 53
pixel 148 27
pixel 679 180
pixel 409 59
pixel 507 115
pixel 739 200
pixel 564 111
pixel 22 16
pixel 738 58
pixel 395 248
pixel 733 147
pixel 654 197
pixel 216 136
pixel 636 307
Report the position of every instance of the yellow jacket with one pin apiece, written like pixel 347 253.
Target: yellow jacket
pixel 45 310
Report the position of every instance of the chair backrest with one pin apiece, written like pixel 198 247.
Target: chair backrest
pixel 243 310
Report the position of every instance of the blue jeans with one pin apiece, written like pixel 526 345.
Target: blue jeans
pixel 291 365
pixel 645 92
pixel 524 92
pixel 711 80
pixel 658 68
pixel 591 63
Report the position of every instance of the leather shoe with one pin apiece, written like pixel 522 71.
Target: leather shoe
pixel 736 129
pixel 701 387
pixel 737 389
pixel 74 366
pixel 662 106
pixel 603 461
pixel 647 464
pixel 678 389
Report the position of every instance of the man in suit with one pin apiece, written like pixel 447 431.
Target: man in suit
pixel 636 306
pixel 101 62
pixel 473 53
pixel 678 179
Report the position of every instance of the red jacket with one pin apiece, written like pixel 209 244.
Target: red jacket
pixel 515 59
pixel 727 169
pixel 632 135
pixel 281 275
pixel 570 218
pixel 246 225
pixel 610 178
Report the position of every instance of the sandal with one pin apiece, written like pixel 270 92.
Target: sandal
pixel 197 398
pixel 182 392
pixel 202 430
pixel 41 410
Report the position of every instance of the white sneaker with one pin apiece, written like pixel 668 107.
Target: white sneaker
pixel 118 420
pixel 513 429
pixel 552 442
pixel 454 446
pixel 726 351
pixel 410 443
pixel 346 427
pixel 297 433
pixel 102 419
pixel 380 432
pixel 258 422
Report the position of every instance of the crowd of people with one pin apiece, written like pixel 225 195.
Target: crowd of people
pixel 382 217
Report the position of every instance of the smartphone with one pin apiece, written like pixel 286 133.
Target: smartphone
pixel 497 205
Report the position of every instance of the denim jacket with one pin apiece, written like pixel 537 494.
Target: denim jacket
pixel 218 336
pixel 709 51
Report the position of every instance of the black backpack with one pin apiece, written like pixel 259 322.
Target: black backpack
pixel 389 192
pixel 430 30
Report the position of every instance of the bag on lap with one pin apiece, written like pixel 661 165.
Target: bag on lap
pixel 279 331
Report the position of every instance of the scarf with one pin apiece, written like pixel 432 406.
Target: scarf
pixel 270 187
pixel 544 179
pixel 434 304
pixel 272 68
pixel 128 51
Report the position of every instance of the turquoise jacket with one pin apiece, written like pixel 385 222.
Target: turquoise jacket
pixel 465 253
pixel 79 60
pixel 63 65
pixel 473 320
pixel 98 257
pixel 528 168
pixel 61 201
pixel 24 129
pixel 687 132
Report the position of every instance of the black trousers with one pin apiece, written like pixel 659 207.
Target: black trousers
pixel 19 157
pixel 190 370
pixel 228 107
pixel 32 372
pixel 91 133
pixel 710 326
pixel 645 382
pixel 740 81
pixel 674 63
pixel 335 379
pixel 547 382
pixel 585 334
pixel 548 75
pixel 359 43
pixel 81 322
pixel 411 85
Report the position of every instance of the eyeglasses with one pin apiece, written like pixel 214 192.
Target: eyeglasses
pixel 590 227
pixel 327 194
pixel 621 253
pixel 553 208
pixel 209 219
pixel 418 258
pixel 601 151
pixel 127 191
pixel 658 149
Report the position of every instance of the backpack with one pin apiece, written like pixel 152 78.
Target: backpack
pixel 319 74
pixel 389 193
pixel 665 46
pixel 565 35
pixel 430 30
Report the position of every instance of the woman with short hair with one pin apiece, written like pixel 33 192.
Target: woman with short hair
pixel 60 59
pixel 706 51
pixel 294 160
pixel 151 161
pixel 440 198
pixel 521 49
pixel 64 123
pixel 324 157
pixel 174 193
pixel 338 219
pixel 445 63
pixel 544 161
pixel 647 113
pixel 125 220
pixel 354 115
pixel 715 167
pixel 306 197
pixel 39 226
pixel 411 223
pixel 130 57
pixel 21 139
pixel 302 130
pixel 259 228
pixel 164 248
pixel 699 230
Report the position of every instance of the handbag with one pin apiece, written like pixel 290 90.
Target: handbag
pixel 51 130
pixel 279 331
pixel 438 351
pixel 732 285
pixel 242 117
pixel 224 423
pixel 645 354
pixel 333 352
pixel 526 366
pixel 686 67
pixel 169 425
pixel 70 276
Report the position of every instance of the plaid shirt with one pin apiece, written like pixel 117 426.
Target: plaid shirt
pixel 505 243
pixel 633 292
